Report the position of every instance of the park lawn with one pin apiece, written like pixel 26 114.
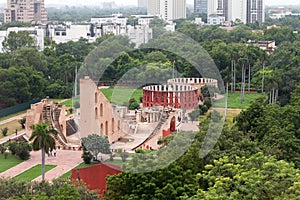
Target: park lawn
pixel 8 163
pixel 12 126
pixel 33 172
pixel 121 96
pixel 69 102
pixel 234 100
pixel 119 163
pixel 81 165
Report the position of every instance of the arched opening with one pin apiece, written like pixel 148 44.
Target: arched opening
pixel 106 128
pixel 112 125
pixel 96 112
pixel 101 110
pixel 96 97
pixel 101 129
pixel 173 124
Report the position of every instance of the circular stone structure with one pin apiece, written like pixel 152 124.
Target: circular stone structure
pixel 174 95
pixel 195 82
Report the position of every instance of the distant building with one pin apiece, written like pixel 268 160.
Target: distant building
pixel 143 3
pixel 255 11
pixel 245 11
pixel 237 11
pixel 268 46
pixel 36 32
pixel 25 11
pixel 215 19
pixel 63 34
pixel 200 6
pixel 167 9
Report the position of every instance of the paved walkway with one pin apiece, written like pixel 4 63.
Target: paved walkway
pixel 12 119
pixel 13 136
pixel 65 161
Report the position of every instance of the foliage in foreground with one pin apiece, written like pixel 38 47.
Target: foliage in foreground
pixel 257 158
pixel 60 189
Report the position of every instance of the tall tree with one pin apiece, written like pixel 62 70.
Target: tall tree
pixel 16 40
pixel 42 137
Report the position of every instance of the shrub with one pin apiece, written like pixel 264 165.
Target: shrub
pixel 2 149
pixel 5 155
pixel 124 156
pixel 87 157
pixel 133 104
pixel 22 122
pixel 4 131
pixel 20 149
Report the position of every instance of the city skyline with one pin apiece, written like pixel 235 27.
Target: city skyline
pixel 134 2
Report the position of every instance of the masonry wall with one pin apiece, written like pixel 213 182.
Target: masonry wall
pixel 97 115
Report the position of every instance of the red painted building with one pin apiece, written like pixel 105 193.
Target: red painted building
pixel 95 176
pixel 177 96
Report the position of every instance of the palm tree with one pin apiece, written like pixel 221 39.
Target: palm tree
pixel 43 140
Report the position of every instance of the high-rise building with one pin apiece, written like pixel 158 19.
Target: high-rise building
pixel 153 7
pixel 255 11
pixel 237 11
pixel 25 11
pixel 200 6
pixel 245 11
pixel 167 9
pixel 142 3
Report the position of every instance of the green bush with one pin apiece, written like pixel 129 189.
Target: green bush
pixel 87 157
pixel 133 104
pixel 20 149
pixel 4 131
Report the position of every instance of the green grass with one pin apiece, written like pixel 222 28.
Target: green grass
pixel 234 100
pixel 82 165
pixel 121 96
pixel 33 172
pixel 8 163
pixel 12 126
pixel 69 102
pixel 116 162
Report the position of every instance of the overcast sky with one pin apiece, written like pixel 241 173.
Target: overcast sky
pixel 134 2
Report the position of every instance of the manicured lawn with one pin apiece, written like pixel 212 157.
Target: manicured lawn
pixel 116 162
pixel 82 165
pixel 8 163
pixel 33 172
pixel 234 100
pixel 70 102
pixel 12 126
pixel 121 96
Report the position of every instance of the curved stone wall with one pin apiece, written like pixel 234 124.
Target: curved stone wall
pixel 173 95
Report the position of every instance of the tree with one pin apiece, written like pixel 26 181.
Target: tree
pixel 96 144
pixel 16 40
pixel 87 157
pixel 4 131
pixel 42 138
pixel 133 104
pixel 257 177
pixel 22 122
pixel 20 149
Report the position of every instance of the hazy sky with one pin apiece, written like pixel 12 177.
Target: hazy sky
pixel 134 2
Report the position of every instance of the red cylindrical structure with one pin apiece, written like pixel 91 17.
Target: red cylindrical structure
pixel 177 96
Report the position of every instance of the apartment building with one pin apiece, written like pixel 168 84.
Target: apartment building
pixel 25 11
